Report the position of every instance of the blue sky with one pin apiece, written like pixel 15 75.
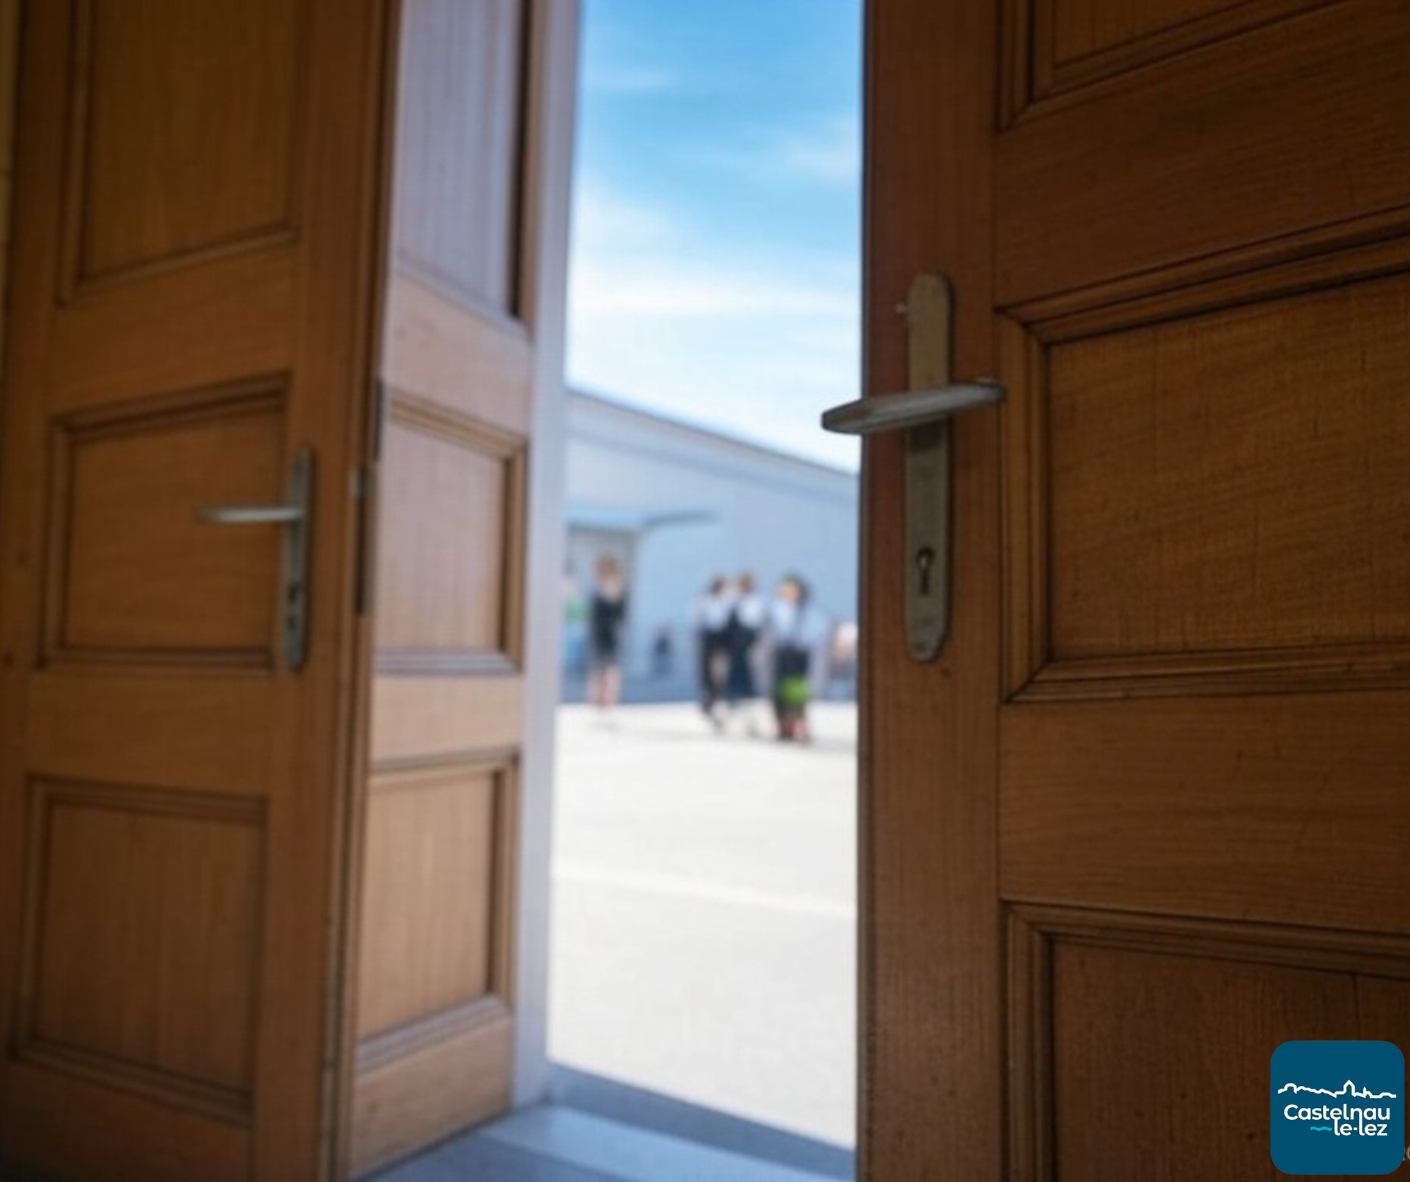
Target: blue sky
pixel 715 266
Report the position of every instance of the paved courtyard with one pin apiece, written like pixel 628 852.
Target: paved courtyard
pixel 704 914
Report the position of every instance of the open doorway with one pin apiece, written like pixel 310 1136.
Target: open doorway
pixel 703 934
pixel 425 960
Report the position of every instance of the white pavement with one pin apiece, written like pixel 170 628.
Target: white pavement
pixel 704 913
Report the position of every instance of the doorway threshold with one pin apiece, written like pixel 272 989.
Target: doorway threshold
pixel 592 1129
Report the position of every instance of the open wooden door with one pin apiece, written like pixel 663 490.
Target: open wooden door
pixel 262 914
pixel 194 247
pixel 1147 816
pixel 453 869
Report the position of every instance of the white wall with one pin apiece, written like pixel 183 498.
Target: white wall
pixel 553 66
pixel 755 509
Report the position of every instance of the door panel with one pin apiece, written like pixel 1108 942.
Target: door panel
pixel 460 125
pixel 1077 43
pixel 1206 551
pixel 1170 183
pixel 1115 991
pixel 448 478
pixel 190 292
pixel 1232 467
pixel 150 184
pixel 1145 819
pixel 437 1004
pixel 132 574
pixel 129 981
pixel 1226 828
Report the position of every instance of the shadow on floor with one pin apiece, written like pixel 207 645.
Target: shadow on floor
pixel 595 1130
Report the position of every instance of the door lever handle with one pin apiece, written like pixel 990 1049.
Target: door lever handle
pixel 249 514
pixel 914 408
pixel 294 517
pixel 924 413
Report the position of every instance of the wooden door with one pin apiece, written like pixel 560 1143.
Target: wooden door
pixel 193 253
pixel 470 373
pixel 1147 816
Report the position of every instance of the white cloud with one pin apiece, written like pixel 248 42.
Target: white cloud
pixel 767 373
pixel 603 221
pixel 729 334
pixel 633 259
pixel 664 288
pixel 827 152
pixel 630 80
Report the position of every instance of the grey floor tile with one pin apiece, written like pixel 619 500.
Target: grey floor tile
pixel 629 1153
pixel 615 1100
pixel 477 1158
pixel 422 1168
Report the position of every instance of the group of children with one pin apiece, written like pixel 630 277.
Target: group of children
pixel 732 621
pixel 733 624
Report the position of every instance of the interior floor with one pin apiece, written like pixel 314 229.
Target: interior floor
pixel 594 1130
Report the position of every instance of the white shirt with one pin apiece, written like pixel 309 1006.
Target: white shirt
pixel 712 612
pixel 751 611
pixel 805 627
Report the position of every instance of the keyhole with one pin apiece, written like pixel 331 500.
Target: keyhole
pixel 925 559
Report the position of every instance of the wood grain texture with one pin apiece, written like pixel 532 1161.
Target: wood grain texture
pixel 1284 808
pixel 1194 158
pixel 1262 495
pixel 415 719
pixel 1244 302
pixel 459 142
pixel 1081 28
pixel 1131 1073
pixel 1201 244
pixel 143 934
pixel 151 182
pixel 9 77
pixel 1185 977
pixel 1029 1046
pixel 415 1100
pixel 438 836
pixel 74 719
pixel 435 894
pixel 174 239
pixel 930 997
pixel 452 539
pixel 54 1120
pixel 133 574
pixel 438 350
pixel 1072 43
pixel 104 351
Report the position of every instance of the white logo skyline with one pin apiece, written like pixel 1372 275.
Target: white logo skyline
pixel 1347 1089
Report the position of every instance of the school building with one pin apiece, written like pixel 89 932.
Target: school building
pixel 677 504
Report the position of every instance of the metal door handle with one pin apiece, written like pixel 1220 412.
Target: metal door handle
pixel 914 408
pixel 924 413
pixel 294 516
pixel 249 514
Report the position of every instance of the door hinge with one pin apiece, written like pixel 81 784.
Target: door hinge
pixel 363 488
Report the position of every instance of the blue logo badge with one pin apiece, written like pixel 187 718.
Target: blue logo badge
pixel 1338 1107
